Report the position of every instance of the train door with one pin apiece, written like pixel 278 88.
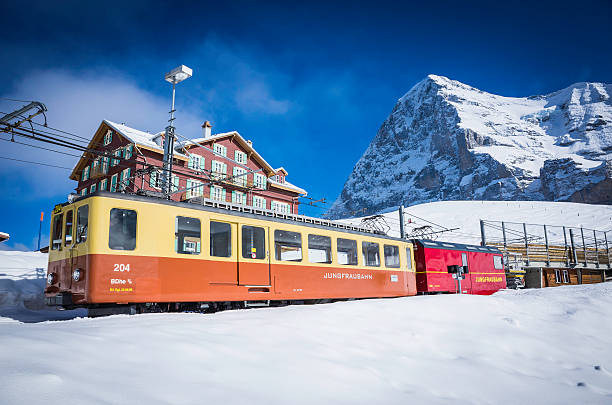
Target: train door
pixel 78 248
pixel 254 256
pixel 69 246
pixel 466 283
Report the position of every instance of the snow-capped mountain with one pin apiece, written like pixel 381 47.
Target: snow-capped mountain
pixel 445 140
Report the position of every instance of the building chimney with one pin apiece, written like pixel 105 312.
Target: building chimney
pixel 207 129
pixel 250 142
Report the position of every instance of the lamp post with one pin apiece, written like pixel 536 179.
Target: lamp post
pixel 175 76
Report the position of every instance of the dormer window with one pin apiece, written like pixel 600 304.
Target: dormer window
pixel 220 150
pixel 240 157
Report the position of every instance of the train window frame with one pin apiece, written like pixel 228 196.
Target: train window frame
pixel 212 238
pixel 247 248
pixel 395 256
pixel 366 245
pixel 193 240
pixel 498 263
pixel 351 251
pixel 57 224
pixel 409 258
pixel 82 229
pixel 133 231
pixel 66 230
pixel 291 245
pixel 315 241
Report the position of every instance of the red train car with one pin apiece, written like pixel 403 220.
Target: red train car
pixel 485 268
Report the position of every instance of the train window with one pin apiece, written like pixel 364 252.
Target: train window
pixel 408 258
pixel 122 231
pixel 319 249
pixel 391 256
pixel 253 242
pixel 56 240
pixel 347 251
pixel 220 239
pixel 371 254
pixel 82 221
pixel 187 233
pixel 68 228
pixel 497 262
pixel 288 246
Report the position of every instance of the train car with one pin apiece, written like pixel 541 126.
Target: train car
pixel 485 275
pixel 115 253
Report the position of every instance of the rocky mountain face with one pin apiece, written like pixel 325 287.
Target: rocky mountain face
pixel 445 140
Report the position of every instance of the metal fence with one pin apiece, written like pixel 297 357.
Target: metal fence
pixel 550 245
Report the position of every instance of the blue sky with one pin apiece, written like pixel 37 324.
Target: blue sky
pixel 310 83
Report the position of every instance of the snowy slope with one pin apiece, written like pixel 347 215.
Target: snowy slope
pixel 448 140
pixel 549 346
pixel 465 215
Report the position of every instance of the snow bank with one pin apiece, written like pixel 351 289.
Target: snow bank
pixel 532 346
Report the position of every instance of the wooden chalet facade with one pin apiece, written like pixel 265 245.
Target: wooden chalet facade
pixel 223 167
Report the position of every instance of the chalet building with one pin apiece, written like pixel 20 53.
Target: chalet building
pixel 223 167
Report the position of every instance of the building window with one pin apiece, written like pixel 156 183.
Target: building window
pixel 128 151
pixel 566 278
pixel 259 202
pixel 92 189
pixel 108 137
pixel 196 162
pixel 84 191
pixel 122 231
pixel 240 176
pixel 371 254
pixel 220 150
pixel 220 239
pixel 347 251
pixel 497 262
pixel 217 193
pixel 238 197
pixel 187 235
pixel 113 185
pixel 175 182
pixel 260 181
pixel 219 170
pixel 105 160
pixel 253 242
pixel 280 207
pixel 125 179
pixel 82 223
pixel 194 189
pixel 558 276
pixel 319 249
pixel 392 259
pixel 288 246
pixel 85 175
pixel 154 179
pixel 240 157
pixel 117 155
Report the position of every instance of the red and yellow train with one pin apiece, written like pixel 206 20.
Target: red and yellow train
pixel 112 252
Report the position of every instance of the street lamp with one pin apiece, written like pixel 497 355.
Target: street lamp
pixel 174 76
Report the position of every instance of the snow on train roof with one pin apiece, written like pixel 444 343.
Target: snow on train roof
pixel 432 244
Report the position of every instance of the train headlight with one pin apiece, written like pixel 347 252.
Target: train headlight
pixel 50 278
pixel 76 275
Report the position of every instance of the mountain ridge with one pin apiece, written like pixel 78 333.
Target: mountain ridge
pixel 447 140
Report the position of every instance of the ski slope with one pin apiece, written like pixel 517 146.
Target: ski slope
pixel 465 215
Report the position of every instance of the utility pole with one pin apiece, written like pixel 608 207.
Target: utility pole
pixel 175 76
pixel 401 218
pixel 42 215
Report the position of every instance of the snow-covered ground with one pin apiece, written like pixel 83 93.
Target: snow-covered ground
pixel 532 346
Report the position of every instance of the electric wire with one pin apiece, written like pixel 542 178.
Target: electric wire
pixel 35 163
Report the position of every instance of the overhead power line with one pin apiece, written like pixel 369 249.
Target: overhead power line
pixel 34 163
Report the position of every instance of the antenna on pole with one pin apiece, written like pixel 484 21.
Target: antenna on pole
pixel 175 76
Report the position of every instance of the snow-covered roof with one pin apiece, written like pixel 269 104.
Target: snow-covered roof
pixel 4 236
pixel 287 185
